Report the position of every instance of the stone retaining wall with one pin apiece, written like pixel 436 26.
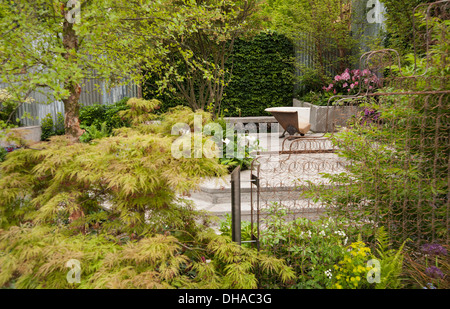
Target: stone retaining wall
pixel 31 134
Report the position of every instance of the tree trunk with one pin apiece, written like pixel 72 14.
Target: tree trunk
pixel 72 111
pixel 72 122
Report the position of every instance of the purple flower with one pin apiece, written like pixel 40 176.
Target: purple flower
pixel 434 272
pixel 434 249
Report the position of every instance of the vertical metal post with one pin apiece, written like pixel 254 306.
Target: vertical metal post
pixel 258 194
pixel 255 182
pixel 236 205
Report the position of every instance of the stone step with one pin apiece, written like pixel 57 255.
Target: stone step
pixel 297 208
pixel 224 196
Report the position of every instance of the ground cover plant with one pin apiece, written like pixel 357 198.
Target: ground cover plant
pixel 327 253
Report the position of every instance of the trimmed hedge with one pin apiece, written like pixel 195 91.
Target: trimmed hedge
pixel 262 77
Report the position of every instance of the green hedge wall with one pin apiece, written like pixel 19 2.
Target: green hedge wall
pixel 262 77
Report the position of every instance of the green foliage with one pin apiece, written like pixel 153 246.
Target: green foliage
pixel 351 270
pixel 8 107
pixel 246 232
pixel 391 261
pixel 321 27
pixel 327 253
pixel 36 257
pixel 3 154
pixel 243 143
pixel 262 75
pixel 98 113
pixel 168 99
pixel 316 98
pixel 194 67
pixel 100 120
pixel 310 81
pixel 399 172
pixel 67 53
pixel 311 247
pixel 47 127
pixel 133 170
pixel 436 64
pixel 139 110
pixel 93 133
pixel 113 206
pixel 59 126
pixel 399 22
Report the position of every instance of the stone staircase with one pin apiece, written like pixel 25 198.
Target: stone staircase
pixel 283 177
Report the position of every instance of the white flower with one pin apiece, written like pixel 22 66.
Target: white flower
pixel 226 141
pixel 322 233
pixel 251 139
pixel 328 273
pixel 340 233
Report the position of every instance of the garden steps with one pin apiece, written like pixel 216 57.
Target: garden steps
pixel 285 186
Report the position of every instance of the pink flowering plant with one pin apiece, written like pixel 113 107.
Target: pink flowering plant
pixel 350 82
